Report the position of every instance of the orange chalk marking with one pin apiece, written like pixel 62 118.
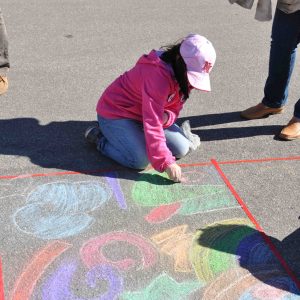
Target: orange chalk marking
pixel 176 242
pixel 25 284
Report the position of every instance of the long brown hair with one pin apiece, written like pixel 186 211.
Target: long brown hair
pixel 172 56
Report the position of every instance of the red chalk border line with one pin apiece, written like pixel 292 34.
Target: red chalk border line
pixel 87 172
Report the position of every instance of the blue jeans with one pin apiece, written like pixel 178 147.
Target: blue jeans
pixel 285 39
pixel 123 140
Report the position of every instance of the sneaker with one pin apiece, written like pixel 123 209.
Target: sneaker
pixel 92 134
pixel 3 84
pixel 291 131
pixel 260 111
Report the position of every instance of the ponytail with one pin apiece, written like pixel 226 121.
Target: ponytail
pixel 172 56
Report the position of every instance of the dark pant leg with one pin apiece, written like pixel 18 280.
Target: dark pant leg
pixel 285 38
pixel 297 110
pixel 4 60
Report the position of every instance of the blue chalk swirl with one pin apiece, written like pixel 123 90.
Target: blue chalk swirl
pixel 59 210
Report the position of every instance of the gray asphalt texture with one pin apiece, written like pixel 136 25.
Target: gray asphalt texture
pixel 79 228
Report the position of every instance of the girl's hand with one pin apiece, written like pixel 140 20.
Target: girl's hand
pixel 174 172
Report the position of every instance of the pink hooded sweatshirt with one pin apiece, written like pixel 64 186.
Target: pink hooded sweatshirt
pixel 145 93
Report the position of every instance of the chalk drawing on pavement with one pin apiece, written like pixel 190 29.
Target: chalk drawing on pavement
pixel 176 243
pixel 113 181
pixel 26 282
pixel 227 244
pixel 165 261
pixel 10 188
pixel 92 251
pixel 164 287
pixel 60 209
pixel 59 285
pixel 266 282
pixel 199 194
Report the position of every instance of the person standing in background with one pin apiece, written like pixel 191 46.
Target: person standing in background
pixel 4 60
pixel 285 39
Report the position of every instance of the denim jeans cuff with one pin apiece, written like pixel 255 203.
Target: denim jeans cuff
pixel 271 104
pixel 297 115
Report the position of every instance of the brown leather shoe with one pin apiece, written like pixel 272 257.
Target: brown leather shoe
pixel 260 111
pixel 291 131
pixel 3 84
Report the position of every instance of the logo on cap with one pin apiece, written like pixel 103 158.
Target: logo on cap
pixel 207 67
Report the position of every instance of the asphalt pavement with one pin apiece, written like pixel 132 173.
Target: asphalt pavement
pixel 75 225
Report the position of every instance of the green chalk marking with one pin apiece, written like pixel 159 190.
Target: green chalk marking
pixel 154 189
pixel 211 197
pixel 227 243
pixel 166 288
pixel 214 247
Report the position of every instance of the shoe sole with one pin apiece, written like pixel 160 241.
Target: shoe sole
pixel 287 138
pixel 86 134
pixel 88 130
pixel 262 117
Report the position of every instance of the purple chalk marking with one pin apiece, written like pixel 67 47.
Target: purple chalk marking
pixel 109 274
pixel 58 285
pixel 112 179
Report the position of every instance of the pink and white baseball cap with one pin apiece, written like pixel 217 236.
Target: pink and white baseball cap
pixel 199 56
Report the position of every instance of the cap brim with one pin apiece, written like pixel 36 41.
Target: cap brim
pixel 199 81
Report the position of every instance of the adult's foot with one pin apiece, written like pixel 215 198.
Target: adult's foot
pixel 260 111
pixel 3 84
pixel 291 131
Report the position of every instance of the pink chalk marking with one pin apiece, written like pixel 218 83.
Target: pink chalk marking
pixel 91 252
pixel 1 282
pixel 26 282
pixel 162 213
pixel 264 291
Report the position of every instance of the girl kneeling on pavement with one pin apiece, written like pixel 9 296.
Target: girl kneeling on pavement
pixel 137 111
